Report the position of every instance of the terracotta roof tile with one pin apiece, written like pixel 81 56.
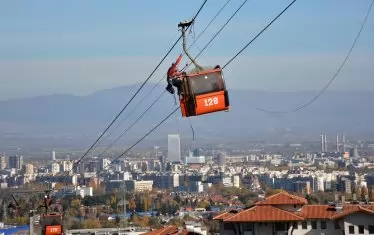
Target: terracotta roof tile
pixel 225 215
pixel 283 198
pixel 350 209
pixel 163 231
pixel 317 211
pixel 264 214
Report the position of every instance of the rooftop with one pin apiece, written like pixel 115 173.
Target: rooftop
pixel 269 210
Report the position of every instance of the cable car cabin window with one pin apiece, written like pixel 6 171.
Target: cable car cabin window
pixel 206 83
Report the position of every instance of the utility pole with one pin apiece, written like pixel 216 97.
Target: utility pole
pixel 123 203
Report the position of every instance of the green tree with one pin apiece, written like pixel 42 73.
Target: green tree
pixel 249 203
pixel 271 192
pixel 154 222
pixel 203 204
pixel 75 204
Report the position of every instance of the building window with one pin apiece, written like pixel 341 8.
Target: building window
pixel 314 224
pixel 351 229
pixel 280 226
pixel 337 225
pixel 361 229
pixel 304 224
pixel 323 224
pixel 371 229
pixel 228 226
pixel 295 225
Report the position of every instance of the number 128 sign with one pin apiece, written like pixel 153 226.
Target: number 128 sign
pixel 211 101
pixel 53 230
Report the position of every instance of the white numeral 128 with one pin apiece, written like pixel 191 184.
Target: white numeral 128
pixel 211 101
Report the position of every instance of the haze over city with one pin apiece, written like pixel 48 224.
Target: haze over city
pixel 171 117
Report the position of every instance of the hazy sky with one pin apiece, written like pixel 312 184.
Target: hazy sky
pixel 79 47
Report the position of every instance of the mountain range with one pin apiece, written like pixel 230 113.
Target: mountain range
pixel 75 121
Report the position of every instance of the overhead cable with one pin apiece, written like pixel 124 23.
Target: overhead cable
pixel 333 77
pixel 142 138
pixel 123 109
pixel 249 43
pixel 147 95
pixel 128 128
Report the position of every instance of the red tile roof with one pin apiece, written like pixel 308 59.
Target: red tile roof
pixel 163 231
pixel 283 198
pixel 268 213
pixel 225 215
pixel 317 211
pixel 351 209
pixel 264 213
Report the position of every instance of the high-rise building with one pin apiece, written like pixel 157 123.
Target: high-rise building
pixel 2 162
pixel 322 143
pixel 28 169
pixel 53 155
pixel 174 149
pixel 221 159
pixel 354 152
pixel 16 162
pixel 55 168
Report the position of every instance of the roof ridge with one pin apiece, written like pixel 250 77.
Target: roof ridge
pixel 267 206
pixel 366 209
pixel 289 212
pixel 283 193
pixel 242 212
pixel 316 205
pixel 296 197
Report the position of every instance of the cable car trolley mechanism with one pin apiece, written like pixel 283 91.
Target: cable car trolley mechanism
pixel 201 90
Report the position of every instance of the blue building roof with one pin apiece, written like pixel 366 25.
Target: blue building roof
pixel 10 231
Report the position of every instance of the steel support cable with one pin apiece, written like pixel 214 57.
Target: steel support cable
pixel 106 136
pixel 333 77
pixel 142 138
pixel 128 128
pixel 130 113
pixel 267 26
pixel 146 96
pixel 218 32
pixel 123 109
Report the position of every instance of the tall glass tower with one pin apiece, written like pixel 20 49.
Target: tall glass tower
pixel 174 148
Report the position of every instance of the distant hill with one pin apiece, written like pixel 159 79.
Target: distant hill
pixel 67 120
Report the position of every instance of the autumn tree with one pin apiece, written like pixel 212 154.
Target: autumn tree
pixel 270 192
pixel 91 223
pixel 113 201
pixel 132 204
pixel 144 221
pixel 154 222
pixel 358 193
pixel 371 195
pixel 364 192
pixel 135 219
pixel 108 224
pixel 249 203
pixel 203 204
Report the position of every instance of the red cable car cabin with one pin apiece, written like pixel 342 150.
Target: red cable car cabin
pixel 200 92
pixel 203 92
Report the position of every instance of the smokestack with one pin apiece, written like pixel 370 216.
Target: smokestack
pixel 337 143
